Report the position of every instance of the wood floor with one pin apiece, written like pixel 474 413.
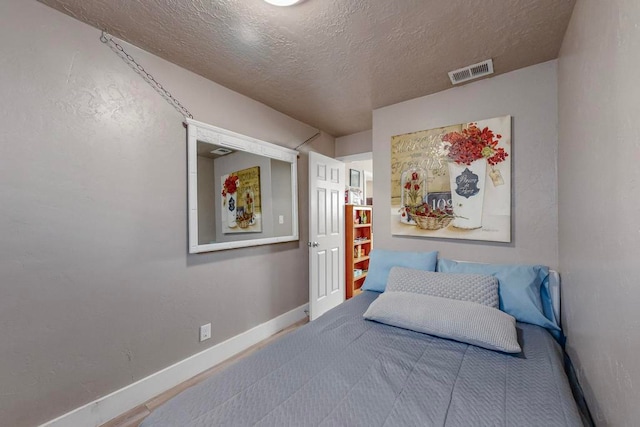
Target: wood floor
pixel 135 416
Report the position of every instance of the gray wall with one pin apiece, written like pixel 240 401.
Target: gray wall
pixel 599 209
pixel 96 287
pixel 530 96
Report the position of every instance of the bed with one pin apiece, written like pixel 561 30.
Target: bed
pixel 343 370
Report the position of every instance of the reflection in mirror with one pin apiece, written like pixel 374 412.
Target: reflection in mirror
pixel 245 190
pixel 241 195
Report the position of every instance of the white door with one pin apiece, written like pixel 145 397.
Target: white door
pixel 326 234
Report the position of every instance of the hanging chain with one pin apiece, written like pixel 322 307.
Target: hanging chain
pixel 308 140
pixel 118 49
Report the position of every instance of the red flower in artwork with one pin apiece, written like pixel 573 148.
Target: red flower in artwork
pixel 230 185
pixel 413 185
pixel 474 143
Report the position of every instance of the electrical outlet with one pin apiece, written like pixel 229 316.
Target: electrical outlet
pixel 281 219
pixel 205 332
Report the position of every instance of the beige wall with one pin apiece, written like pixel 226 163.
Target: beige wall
pixel 96 287
pixel 356 143
pixel 530 96
pixel 207 192
pixel 599 209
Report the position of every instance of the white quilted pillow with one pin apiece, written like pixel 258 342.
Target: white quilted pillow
pixel 463 321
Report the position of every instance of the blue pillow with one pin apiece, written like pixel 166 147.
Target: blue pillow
pixel 381 261
pixel 521 289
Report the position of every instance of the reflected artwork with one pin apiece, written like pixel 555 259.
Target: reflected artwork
pixel 241 204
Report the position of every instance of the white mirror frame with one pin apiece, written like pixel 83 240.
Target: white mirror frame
pixel 198 131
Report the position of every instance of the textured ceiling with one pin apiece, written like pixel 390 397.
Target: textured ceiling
pixel 329 63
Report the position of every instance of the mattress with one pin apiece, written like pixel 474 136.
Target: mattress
pixel 342 370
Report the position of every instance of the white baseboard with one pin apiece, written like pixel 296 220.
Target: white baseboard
pixel 120 401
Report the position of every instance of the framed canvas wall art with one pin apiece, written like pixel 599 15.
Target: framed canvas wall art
pixel 453 182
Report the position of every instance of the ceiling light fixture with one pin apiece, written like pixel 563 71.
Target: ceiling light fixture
pixel 282 2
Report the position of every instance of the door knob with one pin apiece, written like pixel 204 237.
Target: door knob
pixel 313 244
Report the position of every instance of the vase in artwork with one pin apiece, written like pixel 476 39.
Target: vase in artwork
pixel 232 205
pixel 467 193
pixel 413 183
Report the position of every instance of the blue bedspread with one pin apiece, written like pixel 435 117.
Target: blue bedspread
pixel 342 370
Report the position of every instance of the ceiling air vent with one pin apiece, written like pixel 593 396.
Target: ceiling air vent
pixel 471 72
pixel 221 151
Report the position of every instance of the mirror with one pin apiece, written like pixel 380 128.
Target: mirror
pixel 242 191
